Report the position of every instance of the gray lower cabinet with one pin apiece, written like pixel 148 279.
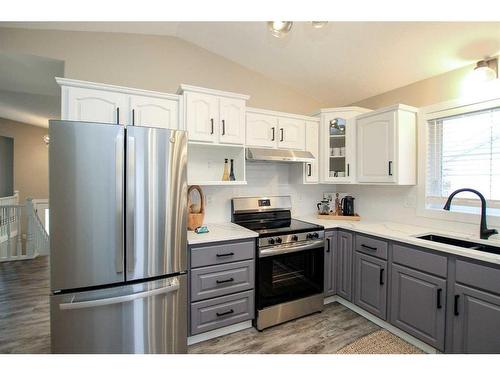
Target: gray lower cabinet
pixel 221 284
pixel 330 287
pixel 418 305
pixel 222 311
pixel 370 284
pixel 344 265
pixel 476 325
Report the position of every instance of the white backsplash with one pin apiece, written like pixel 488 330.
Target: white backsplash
pixel 386 203
pixel 264 179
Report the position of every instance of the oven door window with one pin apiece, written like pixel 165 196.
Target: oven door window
pixel 287 277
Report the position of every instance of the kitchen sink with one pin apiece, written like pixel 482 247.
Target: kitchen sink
pixel 461 243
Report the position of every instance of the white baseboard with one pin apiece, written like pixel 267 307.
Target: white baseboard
pixel 219 332
pixel 383 324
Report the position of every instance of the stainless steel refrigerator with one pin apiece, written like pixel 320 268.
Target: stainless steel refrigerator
pixel 118 199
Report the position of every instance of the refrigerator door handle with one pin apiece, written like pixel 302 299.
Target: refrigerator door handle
pixel 173 287
pixel 130 207
pixel 119 202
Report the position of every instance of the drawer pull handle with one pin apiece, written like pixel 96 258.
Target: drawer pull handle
pixel 224 281
pixel 368 247
pixel 225 313
pixel 224 255
pixel 439 293
pixel 457 296
pixel 381 280
pixel 328 248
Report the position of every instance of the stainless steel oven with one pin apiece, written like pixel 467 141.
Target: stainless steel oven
pixel 290 259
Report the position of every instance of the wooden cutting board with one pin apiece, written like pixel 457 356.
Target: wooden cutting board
pixel 356 217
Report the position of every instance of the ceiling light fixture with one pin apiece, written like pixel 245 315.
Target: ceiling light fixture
pixel 318 24
pixel 486 70
pixel 279 29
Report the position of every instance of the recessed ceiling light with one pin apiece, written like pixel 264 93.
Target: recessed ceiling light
pixel 279 28
pixel 319 24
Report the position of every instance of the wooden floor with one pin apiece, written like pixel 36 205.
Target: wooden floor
pixel 24 306
pixel 24 321
pixel 325 332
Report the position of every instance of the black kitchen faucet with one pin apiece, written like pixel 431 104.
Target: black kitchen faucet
pixel 484 233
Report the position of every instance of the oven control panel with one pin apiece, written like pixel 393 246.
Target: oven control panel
pixel 291 238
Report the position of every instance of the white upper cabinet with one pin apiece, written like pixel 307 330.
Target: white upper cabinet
pixel 96 102
pixel 270 129
pixel 337 139
pixel 214 116
pixel 311 170
pixel 96 106
pixel 154 112
pixel 232 121
pixel 291 133
pixel 387 146
pixel 261 130
pixel 202 117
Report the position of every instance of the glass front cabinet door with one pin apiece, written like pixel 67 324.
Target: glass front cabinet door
pixel 338 144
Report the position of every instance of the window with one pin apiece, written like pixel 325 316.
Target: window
pixel 464 151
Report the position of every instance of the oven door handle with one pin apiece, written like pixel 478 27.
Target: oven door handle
pixel 284 249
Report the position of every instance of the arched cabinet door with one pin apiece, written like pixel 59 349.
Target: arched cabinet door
pixel 202 117
pixel 261 130
pixel 154 112
pixel 232 121
pixel 96 106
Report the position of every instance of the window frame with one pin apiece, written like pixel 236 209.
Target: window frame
pixel 433 112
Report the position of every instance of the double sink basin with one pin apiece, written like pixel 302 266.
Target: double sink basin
pixel 479 246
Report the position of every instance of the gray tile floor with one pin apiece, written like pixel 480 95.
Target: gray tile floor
pixel 24 321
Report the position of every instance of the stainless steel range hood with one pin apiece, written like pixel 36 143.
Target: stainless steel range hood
pixel 288 156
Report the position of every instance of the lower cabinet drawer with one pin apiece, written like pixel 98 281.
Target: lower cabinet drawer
pixel 222 311
pixel 215 281
pixel 371 246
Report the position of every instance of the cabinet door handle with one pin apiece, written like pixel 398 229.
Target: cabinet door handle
pixel 117 115
pixel 455 307
pixel 133 117
pixel 328 247
pixel 223 127
pixel 282 135
pixel 224 255
pixel 390 167
pixel 225 313
pixel 211 126
pixel 368 247
pixel 224 281
pixel 274 135
pixel 439 293
pixel 309 174
pixel 381 276
pixel 347 169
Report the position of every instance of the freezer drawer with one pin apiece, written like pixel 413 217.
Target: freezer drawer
pixel 141 318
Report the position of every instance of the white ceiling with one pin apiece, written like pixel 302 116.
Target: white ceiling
pixel 337 65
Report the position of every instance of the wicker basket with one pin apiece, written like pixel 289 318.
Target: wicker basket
pixel 196 217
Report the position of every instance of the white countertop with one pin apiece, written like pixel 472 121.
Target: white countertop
pixel 406 233
pixel 220 232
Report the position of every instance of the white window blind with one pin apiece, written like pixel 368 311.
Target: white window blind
pixel 464 151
